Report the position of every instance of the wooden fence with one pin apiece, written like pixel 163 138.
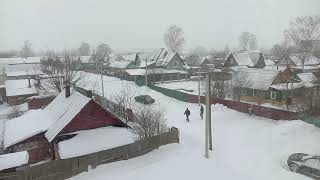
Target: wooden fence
pixel 271 113
pixel 66 168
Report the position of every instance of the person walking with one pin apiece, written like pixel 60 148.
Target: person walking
pixel 187 113
pixel 201 111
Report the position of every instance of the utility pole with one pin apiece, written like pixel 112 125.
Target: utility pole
pixel 102 87
pixel 199 98
pixel 146 73
pixel 210 128
pixel 207 116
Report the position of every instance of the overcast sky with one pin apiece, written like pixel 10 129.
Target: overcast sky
pixel 140 24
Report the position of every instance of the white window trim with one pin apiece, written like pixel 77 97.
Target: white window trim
pixel 254 93
pixel 275 95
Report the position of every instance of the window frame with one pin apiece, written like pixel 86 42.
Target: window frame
pixel 175 63
pixel 254 93
pixel 271 94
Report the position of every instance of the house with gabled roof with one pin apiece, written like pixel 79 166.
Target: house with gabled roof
pixel 119 63
pixel 39 131
pixel 270 86
pixel 300 62
pixel 252 59
pixel 161 65
pixel 163 58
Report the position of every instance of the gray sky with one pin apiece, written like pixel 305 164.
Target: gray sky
pixel 140 24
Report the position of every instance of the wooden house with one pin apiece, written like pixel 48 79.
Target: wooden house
pixel 39 131
pixel 252 59
pixel 300 62
pixel 268 86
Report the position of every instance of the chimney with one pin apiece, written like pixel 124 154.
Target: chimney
pixel 67 91
pixel 89 94
pixel 29 83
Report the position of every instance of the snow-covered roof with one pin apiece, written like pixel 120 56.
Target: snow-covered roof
pixel 12 160
pixel 269 62
pixel 247 58
pixel 52 119
pixel 122 61
pixel 165 58
pixel 257 78
pixel 94 140
pixel 63 110
pixel 19 60
pixel 85 59
pixel 150 59
pixel 285 86
pixel 129 57
pixel 119 64
pixel 142 72
pixel 195 60
pixel 160 57
pixel 23 73
pixel 307 77
pixel 25 126
pixel 19 87
pixel 308 59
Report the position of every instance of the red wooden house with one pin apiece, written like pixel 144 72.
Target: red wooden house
pixel 40 130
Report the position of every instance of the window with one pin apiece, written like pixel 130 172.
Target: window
pixel 254 93
pixel 175 63
pixel 243 92
pixel 313 163
pixel 273 94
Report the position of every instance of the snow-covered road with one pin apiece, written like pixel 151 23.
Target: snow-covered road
pixel 245 147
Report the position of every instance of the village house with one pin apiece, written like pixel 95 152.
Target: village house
pixel 252 59
pixel 161 65
pixel 17 91
pixel 197 64
pixel 267 86
pixel 39 131
pixel 119 63
pixel 300 62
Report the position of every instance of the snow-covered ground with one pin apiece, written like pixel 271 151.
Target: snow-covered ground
pixel 245 147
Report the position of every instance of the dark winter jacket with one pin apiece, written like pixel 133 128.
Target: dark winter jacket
pixel 201 110
pixel 187 112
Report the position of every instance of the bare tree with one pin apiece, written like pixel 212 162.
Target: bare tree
pixel 220 89
pixel 84 49
pixel 125 96
pixel 240 81
pixel 102 53
pixel 277 51
pixel 303 31
pixel 174 39
pixel 26 50
pixel 148 121
pixel 59 71
pixel 247 41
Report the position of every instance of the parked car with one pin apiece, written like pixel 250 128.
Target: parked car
pixel 144 99
pixel 306 164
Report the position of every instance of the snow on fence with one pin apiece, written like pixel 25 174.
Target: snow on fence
pixel 271 113
pixel 66 168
